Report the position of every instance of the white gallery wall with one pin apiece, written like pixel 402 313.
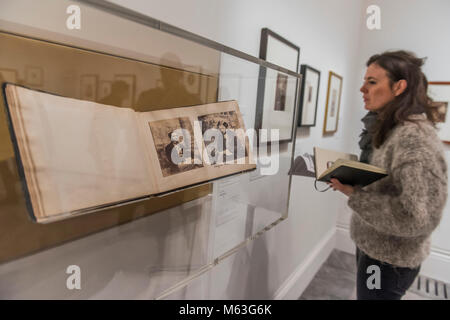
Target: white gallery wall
pixel 332 35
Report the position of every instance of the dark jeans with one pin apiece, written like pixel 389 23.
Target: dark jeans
pixel 394 281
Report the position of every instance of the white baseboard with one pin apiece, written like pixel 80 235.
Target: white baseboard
pixel 343 240
pixel 298 281
pixel 436 266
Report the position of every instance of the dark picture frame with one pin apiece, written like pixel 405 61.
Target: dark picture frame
pixel 130 80
pixel 309 96
pixel 277 92
pixel 333 104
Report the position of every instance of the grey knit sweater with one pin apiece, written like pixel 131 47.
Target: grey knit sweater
pixel 394 217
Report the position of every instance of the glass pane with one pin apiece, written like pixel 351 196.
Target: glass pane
pixel 148 248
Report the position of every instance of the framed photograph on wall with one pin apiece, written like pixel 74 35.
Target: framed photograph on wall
pixel 439 91
pixel 333 103
pixel 277 91
pixel 130 80
pixel 309 96
pixel 88 87
pixel 34 76
pixel 192 79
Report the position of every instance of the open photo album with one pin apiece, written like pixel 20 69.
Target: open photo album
pixel 76 156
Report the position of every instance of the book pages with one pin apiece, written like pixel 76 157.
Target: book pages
pixel 76 154
pixel 159 128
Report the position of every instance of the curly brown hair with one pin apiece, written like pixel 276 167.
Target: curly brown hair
pixel 414 100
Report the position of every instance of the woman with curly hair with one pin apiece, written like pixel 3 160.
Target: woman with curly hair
pixel 394 217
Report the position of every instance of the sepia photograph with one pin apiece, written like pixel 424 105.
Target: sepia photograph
pixel 170 143
pixel 233 146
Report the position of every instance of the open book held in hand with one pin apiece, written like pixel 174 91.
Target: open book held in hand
pixel 77 156
pixel 345 167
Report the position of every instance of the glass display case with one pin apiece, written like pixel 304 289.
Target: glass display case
pixel 153 247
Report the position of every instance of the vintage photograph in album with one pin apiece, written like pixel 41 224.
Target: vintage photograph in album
pixel 77 156
pixel 168 139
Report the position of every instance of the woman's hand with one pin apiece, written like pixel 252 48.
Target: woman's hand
pixel 344 188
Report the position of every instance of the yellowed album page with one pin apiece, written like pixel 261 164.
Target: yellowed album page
pixel 324 159
pixel 159 127
pixel 76 154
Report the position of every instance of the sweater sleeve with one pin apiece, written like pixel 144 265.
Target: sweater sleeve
pixel 415 211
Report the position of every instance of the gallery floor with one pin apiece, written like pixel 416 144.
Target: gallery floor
pixel 336 280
